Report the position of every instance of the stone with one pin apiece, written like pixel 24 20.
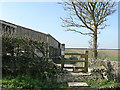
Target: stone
pixel 77 84
pixel 65 69
pixel 90 69
pixel 78 74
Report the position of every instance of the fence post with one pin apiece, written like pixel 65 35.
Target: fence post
pixel 86 61
pixel 62 56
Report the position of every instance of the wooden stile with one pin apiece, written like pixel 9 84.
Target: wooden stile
pixel 85 55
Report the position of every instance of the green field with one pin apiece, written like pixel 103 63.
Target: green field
pixel 111 54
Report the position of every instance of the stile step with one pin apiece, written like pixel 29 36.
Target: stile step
pixel 77 84
pixel 66 65
pixel 78 74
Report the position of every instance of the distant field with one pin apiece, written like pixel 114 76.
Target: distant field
pixel 112 54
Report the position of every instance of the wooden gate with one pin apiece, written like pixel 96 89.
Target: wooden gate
pixel 83 56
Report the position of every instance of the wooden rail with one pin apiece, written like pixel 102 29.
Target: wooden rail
pixel 73 54
pixel 75 60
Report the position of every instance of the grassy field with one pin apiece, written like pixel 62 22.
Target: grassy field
pixel 111 54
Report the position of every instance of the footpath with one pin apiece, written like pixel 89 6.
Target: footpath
pixel 72 76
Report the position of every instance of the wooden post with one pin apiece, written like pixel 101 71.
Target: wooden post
pixel 86 63
pixel 62 56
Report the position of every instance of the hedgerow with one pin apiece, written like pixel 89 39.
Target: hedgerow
pixel 23 68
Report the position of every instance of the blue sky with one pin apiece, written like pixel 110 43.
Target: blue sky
pixel 45 17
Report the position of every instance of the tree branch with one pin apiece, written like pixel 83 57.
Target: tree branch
pixel 81 18
pixel 79 32
pixel 91 14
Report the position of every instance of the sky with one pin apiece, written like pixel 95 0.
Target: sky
pixel 45 17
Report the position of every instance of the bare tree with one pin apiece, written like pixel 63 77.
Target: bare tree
pixel 89 15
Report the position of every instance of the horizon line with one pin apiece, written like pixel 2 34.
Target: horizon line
pixel 91 48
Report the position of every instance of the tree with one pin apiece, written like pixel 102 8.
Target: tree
pixel 89 15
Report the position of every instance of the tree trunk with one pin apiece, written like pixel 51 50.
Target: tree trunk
pixel 95 45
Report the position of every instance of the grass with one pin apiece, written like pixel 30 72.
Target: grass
pixel 26 81
pixel 103 83
pixel 102 54
pixel 29 73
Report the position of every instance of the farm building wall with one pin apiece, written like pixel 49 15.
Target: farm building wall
pixel 16 30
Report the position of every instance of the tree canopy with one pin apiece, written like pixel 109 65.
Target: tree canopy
pixel 89 15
